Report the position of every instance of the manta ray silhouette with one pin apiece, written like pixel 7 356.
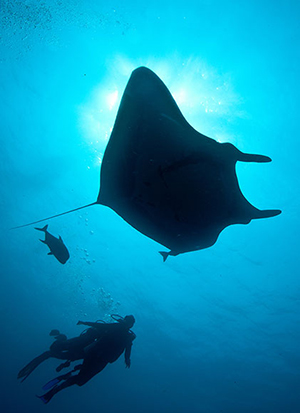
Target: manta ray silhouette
pixel 167 180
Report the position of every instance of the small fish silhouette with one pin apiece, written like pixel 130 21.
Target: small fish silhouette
pixel 56 246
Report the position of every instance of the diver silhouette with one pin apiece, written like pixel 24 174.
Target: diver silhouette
pixel 117 338
pixel 112 341
pixel 66 349
pixel 105 341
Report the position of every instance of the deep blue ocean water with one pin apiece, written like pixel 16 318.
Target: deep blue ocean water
pixel 217 330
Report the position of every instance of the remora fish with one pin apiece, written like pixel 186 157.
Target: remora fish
pixel 56 246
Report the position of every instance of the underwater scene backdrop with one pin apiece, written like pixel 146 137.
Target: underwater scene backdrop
pixel 218 329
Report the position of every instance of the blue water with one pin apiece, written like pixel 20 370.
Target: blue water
pixel 217 330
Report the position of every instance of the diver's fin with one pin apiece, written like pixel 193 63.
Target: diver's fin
pixel 44 399
pixel 55 381
pixel 28 369
pixel 44 229
pixel 164 254
pixel 54 216
pixel 51 384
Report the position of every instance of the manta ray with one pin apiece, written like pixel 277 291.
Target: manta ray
pixel 167 180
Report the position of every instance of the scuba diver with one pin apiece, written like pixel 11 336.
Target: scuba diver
pixel 66 349
pixel 117 339
pixel 69 349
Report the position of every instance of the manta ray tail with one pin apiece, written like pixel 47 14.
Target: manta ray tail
pixel 54 216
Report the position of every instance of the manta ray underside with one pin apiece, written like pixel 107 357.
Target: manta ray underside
pixel 167 180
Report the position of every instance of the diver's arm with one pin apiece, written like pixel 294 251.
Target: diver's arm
pixel 88 323
pixel 127 354
pixel 100 328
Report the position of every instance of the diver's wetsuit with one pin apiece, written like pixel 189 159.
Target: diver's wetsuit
pixel 67 349
pixel 73 349
pixel 108 349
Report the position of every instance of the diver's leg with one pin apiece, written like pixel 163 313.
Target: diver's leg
pixel 33 365
pixel 63 365
pixel 89 370
pixel 48 396
pixel 58 379
pixel 86 372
